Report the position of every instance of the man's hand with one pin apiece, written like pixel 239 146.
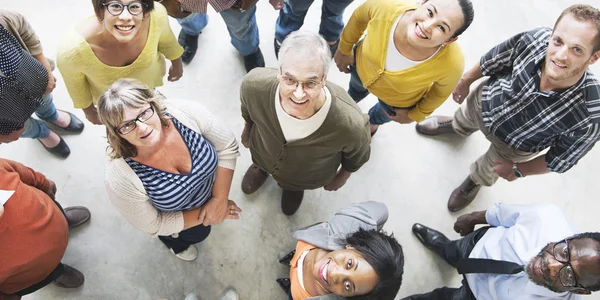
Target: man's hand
pixel 51 190
pixel 338 181
pixel 504 169
pixel 176 70
pixel 277 4
pixel 343 62
pixel 246 135
pixel 401 116
pixel 51 83
pixel 465 224
pixel 244 5
pixel 461 91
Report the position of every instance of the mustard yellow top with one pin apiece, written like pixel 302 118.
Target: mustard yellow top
pixel 86 77
pixel 423 87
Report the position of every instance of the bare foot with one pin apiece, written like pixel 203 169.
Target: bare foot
pixel 373 128
pixel 63 119
pixel 51 141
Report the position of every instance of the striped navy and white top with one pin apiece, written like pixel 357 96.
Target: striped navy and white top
pixel 178 192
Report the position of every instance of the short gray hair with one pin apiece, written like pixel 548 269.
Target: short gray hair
pixel 308 45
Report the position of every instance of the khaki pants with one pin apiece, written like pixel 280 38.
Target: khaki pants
pixel 468 119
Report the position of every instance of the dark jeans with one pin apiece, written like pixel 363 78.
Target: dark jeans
pixel 186 238
pixel 57 272
pixel 377 113
pixel 453 252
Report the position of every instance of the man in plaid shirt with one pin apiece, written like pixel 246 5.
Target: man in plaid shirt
pixel 539 95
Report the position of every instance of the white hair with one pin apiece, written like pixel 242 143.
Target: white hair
pixel 307 45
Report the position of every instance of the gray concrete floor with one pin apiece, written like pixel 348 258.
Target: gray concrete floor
pixel 412 174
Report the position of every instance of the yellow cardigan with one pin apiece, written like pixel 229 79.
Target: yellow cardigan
pixel 86 77
pixel 423 87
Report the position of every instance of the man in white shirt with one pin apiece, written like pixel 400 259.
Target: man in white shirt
pixel 552 261
pixel 304 131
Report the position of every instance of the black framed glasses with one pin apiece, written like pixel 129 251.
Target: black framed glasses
pixel 116 8
pixel 132 125
pixel 565 274
pixel 307 85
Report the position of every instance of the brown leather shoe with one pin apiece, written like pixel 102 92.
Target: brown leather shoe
pixel 77 215
pixel 463 195
pixel 435 125
pixel 290 201
pixel 70 278
pixel 253 179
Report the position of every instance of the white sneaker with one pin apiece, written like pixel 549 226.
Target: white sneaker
pixel 230 294
pixel 188 254
pixel 191 296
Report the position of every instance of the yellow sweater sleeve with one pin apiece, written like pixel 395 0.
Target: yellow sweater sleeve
pixel 440 90
pixel 356 26
pixel 70 62
pixel 167 43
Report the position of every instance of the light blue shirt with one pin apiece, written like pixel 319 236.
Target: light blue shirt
pixel 519 234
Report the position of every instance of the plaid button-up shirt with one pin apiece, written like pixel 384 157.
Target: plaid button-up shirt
pixel 516 111
pixel 200 6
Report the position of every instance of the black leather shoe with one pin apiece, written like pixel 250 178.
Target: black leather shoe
pixel 254 60
pixel 285 284
pixel 62 149
pixel 430 238
pixel 189 44
pixel 276 46
pixel 287 258
pixel 75 125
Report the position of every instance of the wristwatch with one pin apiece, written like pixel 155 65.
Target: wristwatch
pixel 517 172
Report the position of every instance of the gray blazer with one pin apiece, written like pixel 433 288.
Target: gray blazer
pixel 332 235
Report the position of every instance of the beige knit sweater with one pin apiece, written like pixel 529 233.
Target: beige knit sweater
pixel 126 191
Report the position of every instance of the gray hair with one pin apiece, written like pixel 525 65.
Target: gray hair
pixel 126 93
pixel 309 46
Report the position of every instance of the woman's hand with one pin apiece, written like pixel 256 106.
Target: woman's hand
pixel 91 113
pixel 51 190
pixel 176 70
pixel 343 62
pixel 51 83
pixel 216 210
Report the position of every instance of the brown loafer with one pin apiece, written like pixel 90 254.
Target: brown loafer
pixel 290 201
pixel 435 125
pixel 77 215
pixel 253 179
pixel 71 278
pixel 463 195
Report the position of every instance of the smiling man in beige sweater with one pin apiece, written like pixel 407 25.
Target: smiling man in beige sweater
pixel 300 128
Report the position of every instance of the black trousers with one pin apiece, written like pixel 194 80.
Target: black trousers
pixel 453 252
pixel 57 272
pixel 186 238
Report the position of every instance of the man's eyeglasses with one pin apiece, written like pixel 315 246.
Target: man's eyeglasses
pixel 307 85
pixel 116 8
pixel 566 274
pixel 132 125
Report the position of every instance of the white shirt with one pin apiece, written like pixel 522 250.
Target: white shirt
pixel 394 60
pixel 296 129
pixel 520 233
pixel 301 268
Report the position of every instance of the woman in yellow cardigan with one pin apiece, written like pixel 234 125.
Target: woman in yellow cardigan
pixel 408 59
pixel 125 39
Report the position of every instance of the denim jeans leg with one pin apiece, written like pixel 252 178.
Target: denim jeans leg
pixel 332 22
pixel 35 129
pixel 291 17
pixel 377 113
pixel 356 90
pixel 194 23
pixel 46 110
pixel 242 29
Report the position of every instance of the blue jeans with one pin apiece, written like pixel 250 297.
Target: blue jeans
pixel 241 26
pixel 46 111
pixel 291 18
pixel 357 91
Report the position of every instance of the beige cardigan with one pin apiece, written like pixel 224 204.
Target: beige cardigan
pixel 127 193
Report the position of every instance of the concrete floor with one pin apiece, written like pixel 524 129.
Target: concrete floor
pixel 412 174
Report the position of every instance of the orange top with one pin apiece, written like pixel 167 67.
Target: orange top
pixel 298 293
pixel 33 231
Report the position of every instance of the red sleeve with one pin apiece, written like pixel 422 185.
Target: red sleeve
pixel 27 175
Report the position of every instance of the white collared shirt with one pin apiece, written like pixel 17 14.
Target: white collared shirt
pixel 520 233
